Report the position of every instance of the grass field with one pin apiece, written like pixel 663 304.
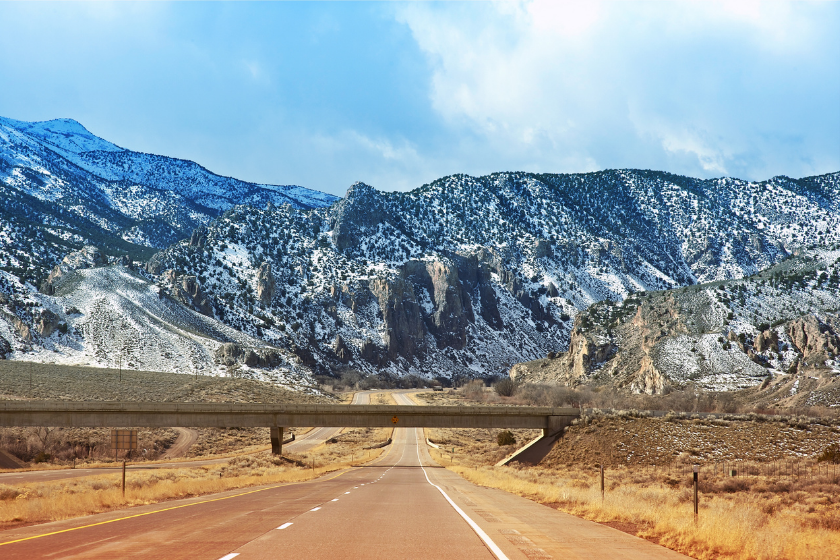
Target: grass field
pixel 29 380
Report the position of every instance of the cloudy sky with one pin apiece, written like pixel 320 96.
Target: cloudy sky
pixel 399 94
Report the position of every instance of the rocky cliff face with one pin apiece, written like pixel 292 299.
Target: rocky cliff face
pixel 467 276
pixel 724 335
pixel 186 290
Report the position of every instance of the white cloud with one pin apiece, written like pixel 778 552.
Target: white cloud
pixel 565 85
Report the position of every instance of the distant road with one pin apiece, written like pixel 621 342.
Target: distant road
pixel 317 436
pixel 186 438
pixel 402 505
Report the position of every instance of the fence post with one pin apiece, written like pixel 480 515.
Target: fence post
pixel 696 476
pixel 602 482
pixel 123 481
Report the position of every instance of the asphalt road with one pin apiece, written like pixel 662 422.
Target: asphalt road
pixel 402 505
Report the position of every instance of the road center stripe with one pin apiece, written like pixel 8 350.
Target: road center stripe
pixel 284 525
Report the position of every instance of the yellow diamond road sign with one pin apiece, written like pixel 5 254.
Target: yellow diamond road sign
pixel 395 419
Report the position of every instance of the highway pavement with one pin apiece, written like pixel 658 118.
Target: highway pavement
pixel 402 505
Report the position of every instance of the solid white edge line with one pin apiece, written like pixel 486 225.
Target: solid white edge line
pixel 478 530
pixel 229 556
pixel 284 526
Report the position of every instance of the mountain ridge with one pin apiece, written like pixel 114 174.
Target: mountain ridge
pixel 462 277
pixel 90 190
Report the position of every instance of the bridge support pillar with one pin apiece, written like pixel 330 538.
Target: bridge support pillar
pixel 276 433
pixel 556 424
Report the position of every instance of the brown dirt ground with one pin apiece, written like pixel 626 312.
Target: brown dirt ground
pixel 77 383
pixel 661 441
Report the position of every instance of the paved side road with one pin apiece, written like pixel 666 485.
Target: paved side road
pixel 309 440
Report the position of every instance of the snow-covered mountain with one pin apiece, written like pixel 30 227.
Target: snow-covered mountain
pixel 779 328
pixel 63 187
pixel 467 276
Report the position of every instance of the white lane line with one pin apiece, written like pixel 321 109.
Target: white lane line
pixel 315 508
pixel 478 530
pixel 347 492
pixel 284 525
pixel 229 556
pixel 334 500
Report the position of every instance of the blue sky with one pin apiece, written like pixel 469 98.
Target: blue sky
pixel 399 94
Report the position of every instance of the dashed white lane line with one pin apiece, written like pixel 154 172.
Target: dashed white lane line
pixel 347 492
pixel 334 500
pixel 284 525
pixel 315 508
pixel 229 556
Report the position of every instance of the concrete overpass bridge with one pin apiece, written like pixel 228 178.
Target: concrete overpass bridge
pixel 64 414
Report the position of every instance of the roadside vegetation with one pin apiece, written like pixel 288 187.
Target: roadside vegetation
pixel 506 391
pixel 748 518
pixel 40 502
pixel 782 502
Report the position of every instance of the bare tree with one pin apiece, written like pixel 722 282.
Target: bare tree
pixel 43 434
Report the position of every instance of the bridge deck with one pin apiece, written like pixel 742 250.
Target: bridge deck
pixel 113 414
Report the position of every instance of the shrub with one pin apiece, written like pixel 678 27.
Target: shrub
pixel 505 387
pixel 831 454
pixel 505 438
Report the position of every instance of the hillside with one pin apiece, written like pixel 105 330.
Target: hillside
pixel 116 316
pixel 467 276
pixel 63 187
pixel 462 277
pixel 779 330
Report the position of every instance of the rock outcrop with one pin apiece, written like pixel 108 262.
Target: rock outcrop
pixel 341 350
pixel 198 237
pixel 230 354
pixel 266 284
pixel 356 214
pixel 405 331
pixel 186 289
pixel 88 256
pixel 766 340
pixel 46 323
pixel 816 340
pixel 5 348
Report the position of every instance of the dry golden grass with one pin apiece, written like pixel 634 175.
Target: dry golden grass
pixel 739 525
pixel 50 501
